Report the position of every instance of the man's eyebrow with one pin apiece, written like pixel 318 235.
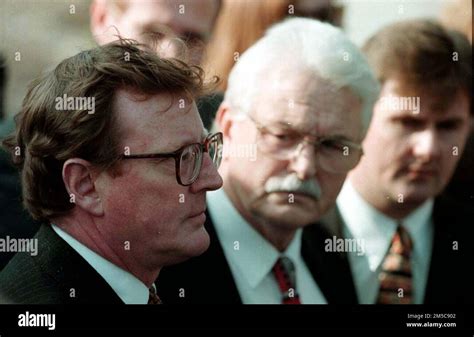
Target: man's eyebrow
pixel 337 136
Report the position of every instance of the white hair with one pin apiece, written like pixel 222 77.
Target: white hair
pixel 316 46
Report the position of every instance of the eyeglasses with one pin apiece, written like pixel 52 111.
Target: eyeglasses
pixel 188 159
pixel 334 155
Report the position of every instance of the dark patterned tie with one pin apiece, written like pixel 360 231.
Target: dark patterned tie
pixel 396 277
pixel 153 297
pixel 284 272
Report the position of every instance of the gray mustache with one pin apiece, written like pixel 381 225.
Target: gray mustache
pixel 291 183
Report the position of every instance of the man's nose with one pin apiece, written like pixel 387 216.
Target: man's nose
pixel 209 178
pixel 427 145
pixel 303 162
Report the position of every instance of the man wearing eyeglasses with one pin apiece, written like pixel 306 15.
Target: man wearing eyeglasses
pixel 189 20
pixel 304 105
pixel 120 182
pixel 418 241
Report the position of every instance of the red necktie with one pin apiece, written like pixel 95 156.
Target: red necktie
pixel 396 277
pixel 284 272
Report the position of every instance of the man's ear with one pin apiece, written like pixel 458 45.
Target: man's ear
pixel 100 21
pixel 224 121
pixel 79 177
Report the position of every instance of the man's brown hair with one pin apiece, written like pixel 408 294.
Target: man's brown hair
pixel 424 57
pixel 46 137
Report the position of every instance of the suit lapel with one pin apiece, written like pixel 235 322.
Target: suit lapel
pixel 208 278
pixel 331 270
pixel 76 280
pixel 220 275
pixel 56 275
pixel 448 280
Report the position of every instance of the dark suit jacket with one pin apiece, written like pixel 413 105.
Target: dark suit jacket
pixel 15 222
pixel 449 280
pixel 208 278
pixel 52 275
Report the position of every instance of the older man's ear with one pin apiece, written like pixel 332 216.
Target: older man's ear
pixel 79 178
pixel 224 121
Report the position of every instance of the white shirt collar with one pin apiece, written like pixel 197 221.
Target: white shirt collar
pixel 129 288
pixel 247 249
pixel 365 222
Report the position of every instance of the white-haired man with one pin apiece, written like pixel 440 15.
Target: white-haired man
pixel 295 112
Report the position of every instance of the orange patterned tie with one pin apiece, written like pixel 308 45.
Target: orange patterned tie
pixel 396 277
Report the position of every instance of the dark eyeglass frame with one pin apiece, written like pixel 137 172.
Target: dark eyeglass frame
pixel 204 147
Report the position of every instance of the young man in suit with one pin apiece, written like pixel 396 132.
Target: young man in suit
pixel 115 161
pixel 417 241
pixel 293 117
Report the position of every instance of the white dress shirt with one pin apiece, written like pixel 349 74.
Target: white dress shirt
pixel 376 230
pixel 129 288
pixel 251 257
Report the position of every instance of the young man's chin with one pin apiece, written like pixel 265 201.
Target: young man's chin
pixel 417 193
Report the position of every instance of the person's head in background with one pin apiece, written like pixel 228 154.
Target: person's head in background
pixel 189 20
pixel 241 23
pixel 420 121
pixel 86 144
pixel 301 97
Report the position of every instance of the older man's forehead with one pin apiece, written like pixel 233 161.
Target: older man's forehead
pixel 330 114
pixel 295 102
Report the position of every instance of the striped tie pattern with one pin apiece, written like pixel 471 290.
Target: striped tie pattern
pixel 396 275
pixel 284 272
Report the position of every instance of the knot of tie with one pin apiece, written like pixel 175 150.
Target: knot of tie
pixel 153 296
pixel 284 271
pixel 396 274
pixel 401 242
